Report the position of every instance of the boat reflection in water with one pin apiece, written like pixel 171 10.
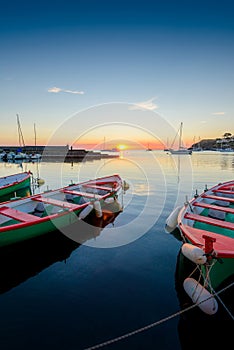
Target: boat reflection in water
pixel 195 328
pixel 24 260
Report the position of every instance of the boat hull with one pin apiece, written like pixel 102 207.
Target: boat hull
pixel 222 270
pixel 180 151
pixel 34 230
pixel 207 222
pixel 33 216
pixel 15 186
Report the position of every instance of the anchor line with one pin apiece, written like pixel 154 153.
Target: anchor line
pixel 221 301
pixel 139 330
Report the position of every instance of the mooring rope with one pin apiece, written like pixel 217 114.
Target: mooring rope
pixel 139 330
pixel 221 301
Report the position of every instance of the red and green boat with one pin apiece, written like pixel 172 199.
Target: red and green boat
pixel 12 183
pixel 206 224
pixel 29 217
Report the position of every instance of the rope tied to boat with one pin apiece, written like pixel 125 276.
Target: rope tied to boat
pixel 139 330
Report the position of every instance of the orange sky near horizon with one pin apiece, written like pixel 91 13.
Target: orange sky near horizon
pixel 92 144
pixel 130 136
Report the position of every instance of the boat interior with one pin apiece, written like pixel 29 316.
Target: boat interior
pixel 7 180
pixel 71 198
pixel 213 211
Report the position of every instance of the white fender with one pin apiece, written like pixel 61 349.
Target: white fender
pixel 85 212
pixel 40 182
pixel 97 208
pixel 200 294
pixel 193 253
pixel 171 221
pixel 109 200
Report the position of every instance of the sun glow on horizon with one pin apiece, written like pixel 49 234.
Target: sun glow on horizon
pixel 121 147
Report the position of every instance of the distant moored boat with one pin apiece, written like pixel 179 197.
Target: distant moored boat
pixel 181 149
pixel 15 182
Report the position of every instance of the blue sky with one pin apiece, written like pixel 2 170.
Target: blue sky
pixel 60 57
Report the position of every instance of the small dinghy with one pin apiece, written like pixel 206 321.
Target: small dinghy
pixel 36 215
pixel 13 183
pixel 206 224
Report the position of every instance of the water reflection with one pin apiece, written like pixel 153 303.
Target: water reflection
pixel 24 260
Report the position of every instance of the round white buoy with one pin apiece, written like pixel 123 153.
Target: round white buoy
pixel 171 221
pixel 85 212
pixel 200 296
pixel 193 253
pixel 40 182
pixel 97 208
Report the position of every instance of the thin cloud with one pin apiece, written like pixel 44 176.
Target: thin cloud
pixel 56 90
pixel 145 105
pixel 218 113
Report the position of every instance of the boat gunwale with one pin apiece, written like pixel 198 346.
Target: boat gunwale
pixel 17 181
pixel 54 216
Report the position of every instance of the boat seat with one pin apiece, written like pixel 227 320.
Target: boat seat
pixel 209 221
pixel 216 214
pixel 217 198
pixel 103 188
pixel 56 202
pixel 16 214
pixel 83 194
pixel 225 193
pixel 214 207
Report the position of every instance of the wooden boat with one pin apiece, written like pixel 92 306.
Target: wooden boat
pixel 36 215
pixel 12 183
pixel 206 224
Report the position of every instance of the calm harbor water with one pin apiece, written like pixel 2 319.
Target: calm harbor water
pixel 58 294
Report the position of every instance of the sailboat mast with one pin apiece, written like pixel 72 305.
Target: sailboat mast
pixel 180 140
pixel 18 126
pixel 35 136
pixel 21 138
